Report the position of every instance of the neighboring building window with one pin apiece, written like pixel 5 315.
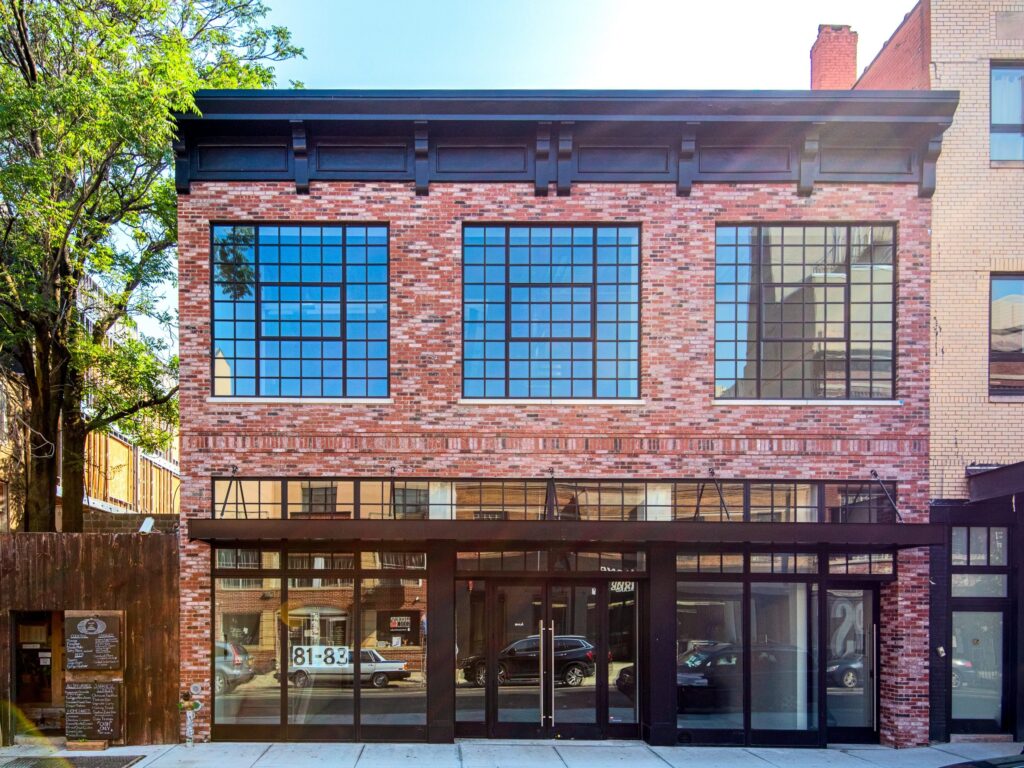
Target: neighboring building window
pixel 551 312
pixel 300 311
pixel 804 312
pixel 1007 134
pixel 1006 342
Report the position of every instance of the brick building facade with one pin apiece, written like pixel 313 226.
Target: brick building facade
pixel 977 369
pixel 815 475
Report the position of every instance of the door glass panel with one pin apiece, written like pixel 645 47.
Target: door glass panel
pixel 576 619
pixel 622 662
pixel 850 666
pixel 783 628
pixel 519 610
pixel 709 655
pixel 321 636
pixel 470 652
pixel 977 666
pixel 393 652
pixel 246 649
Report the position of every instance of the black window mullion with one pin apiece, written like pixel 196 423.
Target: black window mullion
pixel 508 311
pixel 258 308
pixel 849 307
pixel 593 318
pixel 755 287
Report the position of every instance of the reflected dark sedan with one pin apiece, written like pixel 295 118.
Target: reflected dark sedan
pixel 846 671
pixel 518 661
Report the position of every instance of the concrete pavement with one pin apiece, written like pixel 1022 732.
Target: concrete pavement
pixel 517 754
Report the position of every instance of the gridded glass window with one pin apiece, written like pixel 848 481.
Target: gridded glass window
pixel 862 564
pixel 551 312
pixel 300 311
pixel 804 312
pixel 247 499
pixel 709 501
pixel 980 546
pixel 860 503
pixel 1006 341
pixel 783 502
pixel 1007 131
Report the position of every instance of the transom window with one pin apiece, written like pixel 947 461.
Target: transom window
pixel 300 311
pixel 551 312
pixel 804 312
pixel 1007 133
pixel 1006 341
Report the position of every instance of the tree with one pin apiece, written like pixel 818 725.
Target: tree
pixel 88 223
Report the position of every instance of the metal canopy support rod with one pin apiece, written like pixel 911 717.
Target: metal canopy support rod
pixel 892 503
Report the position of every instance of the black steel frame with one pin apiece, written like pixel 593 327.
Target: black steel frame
pixel 757 284
pixel 284 730
pixel 551 512
pixel 593 285
pixel 257 301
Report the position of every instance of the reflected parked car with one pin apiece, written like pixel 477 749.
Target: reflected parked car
pixel 518 661
pixel 846 671
pixel 709 678
pixel 962 674
pixel 337 667
pixel 233 667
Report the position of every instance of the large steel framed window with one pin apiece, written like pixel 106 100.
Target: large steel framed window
pixel 299 311
pixel 1006 335
pixel 805 312
pixel 1006 137
pixel 551 311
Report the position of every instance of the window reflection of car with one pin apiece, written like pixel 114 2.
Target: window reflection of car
pixel 962 674
pixel 709 678
pixel 518 661
pixel 373 669
pixel 846 671
pixel 233 667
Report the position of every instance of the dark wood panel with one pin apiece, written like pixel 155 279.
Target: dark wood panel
pixel 362 158
pixel 624 159
pixel 866 160
pixel 134 573
pixel 745 159
pixel 213 158
pixel 480 158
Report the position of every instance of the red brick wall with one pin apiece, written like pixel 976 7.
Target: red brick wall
pixel 834 58
pixel 904 60
pixel 676 432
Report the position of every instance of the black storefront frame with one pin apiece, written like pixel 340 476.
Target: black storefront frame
pixel 602 728
pixel 655 643
pixel 822 734
pixel 284 731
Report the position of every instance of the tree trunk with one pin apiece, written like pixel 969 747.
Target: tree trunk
pixel 41 472
pixel 72 469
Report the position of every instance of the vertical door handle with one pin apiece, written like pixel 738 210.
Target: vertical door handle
pixel 540 670
pixel 551 635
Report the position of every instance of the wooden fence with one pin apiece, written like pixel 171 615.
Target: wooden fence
pixel 132 572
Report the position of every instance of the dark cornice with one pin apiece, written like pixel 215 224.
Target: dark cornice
pixel 561 137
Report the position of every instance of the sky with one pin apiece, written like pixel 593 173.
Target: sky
pixel 569 43
pixel 409 44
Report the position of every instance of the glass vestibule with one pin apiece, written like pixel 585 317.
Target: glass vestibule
pixel 323 644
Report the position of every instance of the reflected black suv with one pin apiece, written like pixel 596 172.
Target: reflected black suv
pixel 518 661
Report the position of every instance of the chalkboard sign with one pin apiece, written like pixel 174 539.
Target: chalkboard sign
pixel 92 640
pixel 92 711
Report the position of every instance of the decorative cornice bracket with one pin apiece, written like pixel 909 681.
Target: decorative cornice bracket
pixel 300 153
pixel 182 171
pixel 687 167
pixel 810 155
pixel 565 158
pixel 542 160
pixel 421 155
pixel 929 159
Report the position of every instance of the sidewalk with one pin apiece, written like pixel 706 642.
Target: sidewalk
pixel 530 754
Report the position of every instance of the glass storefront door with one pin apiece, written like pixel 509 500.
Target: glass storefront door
pixel 851 665
pixel 545 659
pixel 977 677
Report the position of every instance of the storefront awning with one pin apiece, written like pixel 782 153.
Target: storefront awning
pixel 995 482
pixel 854 536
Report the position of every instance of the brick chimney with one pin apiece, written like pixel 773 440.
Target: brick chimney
pixel 834 58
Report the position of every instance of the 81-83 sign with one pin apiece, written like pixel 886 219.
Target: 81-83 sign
pixel 320 655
